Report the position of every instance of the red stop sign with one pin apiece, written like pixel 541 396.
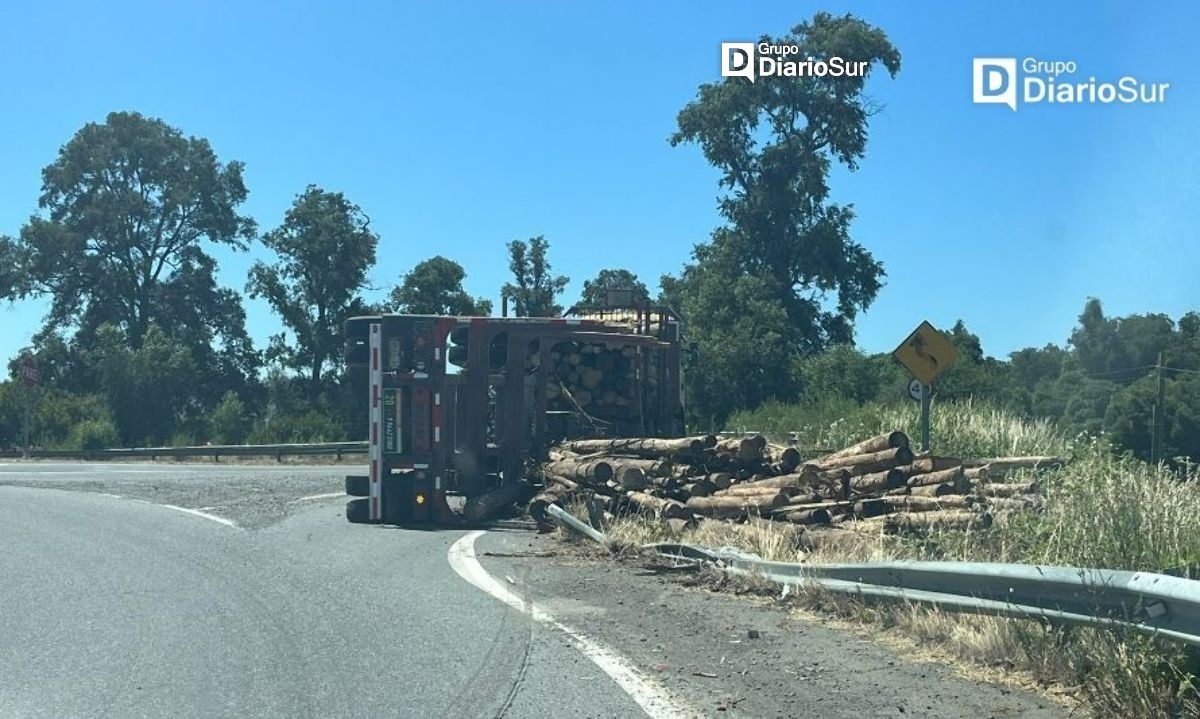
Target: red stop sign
pixel 30 375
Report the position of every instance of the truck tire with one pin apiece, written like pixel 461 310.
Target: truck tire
pixel 358 486
pixel 358 511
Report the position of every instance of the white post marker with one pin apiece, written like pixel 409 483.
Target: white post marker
pixel 375 443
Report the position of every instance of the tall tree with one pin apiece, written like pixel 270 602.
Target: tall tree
pixel 434 287
pixel 534 289
pixel 325 248
pixel 595 289
pixel 774 141
pixel 127 207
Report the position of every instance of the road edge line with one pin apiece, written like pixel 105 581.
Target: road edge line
pixel 197 513
pixel 648 694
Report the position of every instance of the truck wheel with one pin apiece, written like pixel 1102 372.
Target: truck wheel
pixel 358 511
pixel 358 486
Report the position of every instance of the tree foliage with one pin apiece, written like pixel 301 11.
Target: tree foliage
pixel 127 206
pixel 535 288
pixel 774 142
pixel 595 289
pixel 434 287
pixel 325 248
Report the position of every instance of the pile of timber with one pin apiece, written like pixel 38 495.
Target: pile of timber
pixel 876 483
pixel 599 378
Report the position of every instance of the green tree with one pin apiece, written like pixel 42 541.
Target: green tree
pixel 128 209
pixel 843 372
pixel 774 142
pixel 595 289
pixel 325 248
pixel 128 204
pixel 534 289
pixel 434 287
pixel 229 422
pixel 146 388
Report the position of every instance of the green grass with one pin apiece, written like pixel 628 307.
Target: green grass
pixel 1101 510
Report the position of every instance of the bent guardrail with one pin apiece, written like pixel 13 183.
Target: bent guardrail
pixel 216 451
pixel 1142 601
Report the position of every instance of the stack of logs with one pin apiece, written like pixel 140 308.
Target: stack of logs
pixel 877 483
pixel 593 377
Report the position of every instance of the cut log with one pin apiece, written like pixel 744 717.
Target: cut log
pixel 786 458
pixel 485 505
pixel 665 508
pixel 976 475
pixel 877 482
pixel 721 480
pixel 630 478
pixel 917 503
pixel 1009 490
pixel 935 490
pixel 745 450
pixel 648 448
pixel 925 465
pixel 953 476
pixel 807 516
pixel 753 489
pixel 563 481
pixel 878 443
pixel 956 519
pixel 590 470
pixel 859 464
pixel 700 488
pixel 651 467
pixel 727 507
pixel 873 508
pixel 800 503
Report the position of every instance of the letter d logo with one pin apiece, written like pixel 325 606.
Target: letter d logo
pixel 995 81
pixel 737 60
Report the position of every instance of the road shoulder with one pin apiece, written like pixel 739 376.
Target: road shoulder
pixel 735 656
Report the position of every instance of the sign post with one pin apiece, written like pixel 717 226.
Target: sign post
pixel 926 353
pixel 30 376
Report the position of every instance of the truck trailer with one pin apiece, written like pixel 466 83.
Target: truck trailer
pixel 458 408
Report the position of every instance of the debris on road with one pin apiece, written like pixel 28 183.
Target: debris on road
pixel 876 484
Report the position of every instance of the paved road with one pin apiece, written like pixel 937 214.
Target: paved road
pixel 115 603
pixel 118 608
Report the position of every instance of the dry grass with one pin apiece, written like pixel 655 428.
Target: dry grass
pixel 1101 511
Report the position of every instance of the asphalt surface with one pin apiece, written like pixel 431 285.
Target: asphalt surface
pixel 114 604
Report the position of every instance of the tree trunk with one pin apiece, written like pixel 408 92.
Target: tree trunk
pixel 953 476
pixel 878 443
pixel 859 464
pixel 728 507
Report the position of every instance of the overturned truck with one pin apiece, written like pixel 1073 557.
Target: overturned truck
pixel 460 407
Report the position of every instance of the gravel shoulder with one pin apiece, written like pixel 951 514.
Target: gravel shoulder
pixel 740 656
pixel 253 496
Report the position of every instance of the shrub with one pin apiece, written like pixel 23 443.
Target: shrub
pixel 93 434
pixel 228 423
pixel 311 426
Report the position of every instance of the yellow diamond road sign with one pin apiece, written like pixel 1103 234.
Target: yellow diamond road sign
pixel 926 353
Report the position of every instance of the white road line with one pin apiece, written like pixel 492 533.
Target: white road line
pixel 327 495
pixel 196 512
pixel 652 698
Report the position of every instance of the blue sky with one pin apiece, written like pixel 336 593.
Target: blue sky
pixel 460 127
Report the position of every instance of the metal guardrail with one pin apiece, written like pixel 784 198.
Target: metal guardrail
pixel 1145 602
pixel 216 451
